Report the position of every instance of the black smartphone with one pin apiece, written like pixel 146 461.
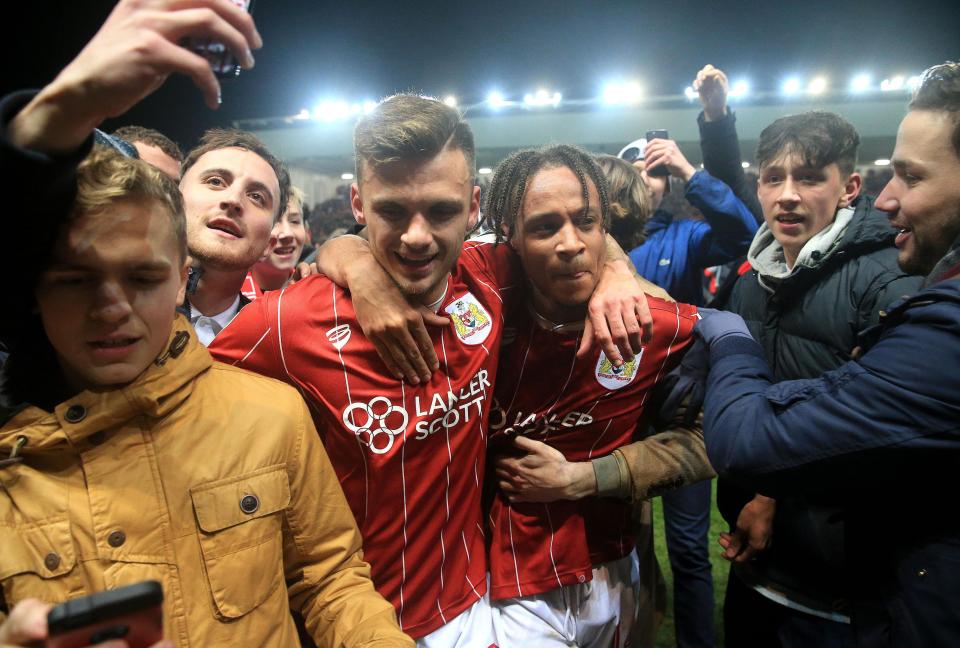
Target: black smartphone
pixel 223 63
pixel 133 613
pixel 661 170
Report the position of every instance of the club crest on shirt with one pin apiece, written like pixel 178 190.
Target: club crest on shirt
pixel 616 377
pixel 470 319
pixel 339 336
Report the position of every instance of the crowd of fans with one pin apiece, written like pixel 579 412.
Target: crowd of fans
pixel 422 412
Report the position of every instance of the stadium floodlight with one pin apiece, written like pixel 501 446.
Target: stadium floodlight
pixel 745 164
pixel 484 170
pixel 541 98
pixel 817 86
pixel 615 94
pixel 303 114
pixel 860 83
pixel 882 162
pixel 690 93
pixel 913 82
pixel 346 176
pixel 792 86
pixel 331 110
pixel 892 84
pixel 739 89
pixel 368 106
pixel 496 100
pixel 450 100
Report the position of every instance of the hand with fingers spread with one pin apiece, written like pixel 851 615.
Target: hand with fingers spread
pixel 137 48
pixel 397 329
pixel 661 152
pixel 753 531
pixel 27 626
pixel 618 316
pixel 712 85
pixel 540 473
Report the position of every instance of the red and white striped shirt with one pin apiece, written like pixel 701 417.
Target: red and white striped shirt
pixel 585 409
pixel 410 459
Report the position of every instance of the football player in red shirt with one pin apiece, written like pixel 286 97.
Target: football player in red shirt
pixel 410 453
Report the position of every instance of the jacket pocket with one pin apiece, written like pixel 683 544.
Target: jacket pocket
pixel 240 531
pixel 35 560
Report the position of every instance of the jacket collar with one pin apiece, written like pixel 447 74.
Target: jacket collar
pixel 160 389
pixel 947 267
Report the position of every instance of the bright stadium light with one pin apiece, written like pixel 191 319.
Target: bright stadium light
pixel 368 106
pixel 690 93
pixel 615 94
pixel 346 176
pixel 817 86
pixel 303 114
pixel 541 98
pixel 745 164
pixel 739 89
pixel 892 84
pixel 450 100
pixel 882 162
pixel 484 170
pixel 331 110
pixel 913 82
pixel 860 83
pixel 792 86
pixel 496 100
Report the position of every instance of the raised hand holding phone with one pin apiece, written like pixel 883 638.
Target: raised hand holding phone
pixel 133 53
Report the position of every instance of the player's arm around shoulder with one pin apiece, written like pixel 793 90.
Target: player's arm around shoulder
pixel 327 579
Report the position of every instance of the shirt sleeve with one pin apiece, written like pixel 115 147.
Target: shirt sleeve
pixel 859 426
pixel 729 228
pixel 327 579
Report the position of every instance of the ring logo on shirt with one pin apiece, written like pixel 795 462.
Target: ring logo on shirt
pixel 339 336
pixel 372 423
pixel 470 319
pixel 613 377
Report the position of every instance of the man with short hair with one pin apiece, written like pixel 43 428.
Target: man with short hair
pixel 234 190
pixel 154 148
pixel 874 437
pixel 551 207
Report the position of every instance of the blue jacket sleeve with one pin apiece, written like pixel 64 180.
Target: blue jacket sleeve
pixel 729 226
pixel 866 424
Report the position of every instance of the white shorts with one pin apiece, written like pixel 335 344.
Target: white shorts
pixel 472 628
pixel 599 613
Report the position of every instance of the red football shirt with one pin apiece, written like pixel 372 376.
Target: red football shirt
pixel 586 409
pixel 410 458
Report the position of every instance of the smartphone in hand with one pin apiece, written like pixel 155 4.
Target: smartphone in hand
pixel 132 613
pixel 223 63
pixel 661 170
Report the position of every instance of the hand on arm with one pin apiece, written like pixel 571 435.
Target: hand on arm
pixel 712 85
pixel 131 56
pixel 753 531
pixel 395 327
pixel 618 316
pixel 543 474
pixel 666 153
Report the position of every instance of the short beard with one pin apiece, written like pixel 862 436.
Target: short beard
pixel 224 262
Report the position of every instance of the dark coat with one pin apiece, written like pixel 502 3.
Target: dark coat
pixel 807 326
pixel 880 437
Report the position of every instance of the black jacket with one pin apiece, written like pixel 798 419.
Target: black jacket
pixel 809 325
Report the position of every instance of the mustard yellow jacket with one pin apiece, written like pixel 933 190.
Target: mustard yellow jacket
pixel 207 478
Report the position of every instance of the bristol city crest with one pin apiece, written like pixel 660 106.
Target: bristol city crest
pixel 470 319
pixel 613 377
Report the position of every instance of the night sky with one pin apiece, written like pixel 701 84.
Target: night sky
pixel 365 50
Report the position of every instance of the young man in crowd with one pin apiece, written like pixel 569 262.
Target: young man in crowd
pixel 551 207
pixel 276 266
pixel 154 148
pixel 410 453
pixel 876 438
pixel 111 409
